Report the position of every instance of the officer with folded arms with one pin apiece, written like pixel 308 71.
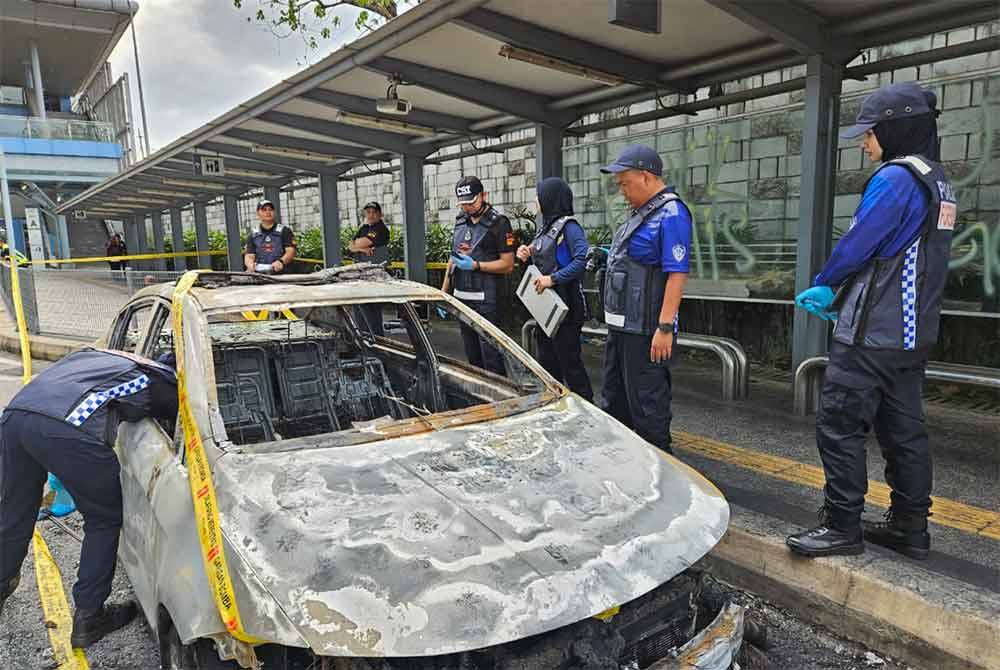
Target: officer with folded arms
pixel 890 269
pixel 482 253
pixel 65 422
pixel 371 245
pixel 647 270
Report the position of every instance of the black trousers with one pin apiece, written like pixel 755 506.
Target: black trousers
pixel 477 350
pixel 637 391
pixel 32 445
pixel 866 388
pixel 562 356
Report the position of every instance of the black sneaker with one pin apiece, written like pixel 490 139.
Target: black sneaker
pixel 827 539
pixel 906 534
pixel 8 589
pixel 89 626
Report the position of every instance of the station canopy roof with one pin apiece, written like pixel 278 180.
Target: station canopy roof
pixel 473 69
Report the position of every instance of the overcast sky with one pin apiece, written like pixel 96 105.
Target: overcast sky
pixel 200 58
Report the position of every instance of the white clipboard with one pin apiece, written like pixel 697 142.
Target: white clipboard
pixel 546 307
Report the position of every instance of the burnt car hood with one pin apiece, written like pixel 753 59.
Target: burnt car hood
pixel 468 537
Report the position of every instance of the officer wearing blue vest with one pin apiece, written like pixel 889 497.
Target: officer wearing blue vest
pixel 271 247
pixel 65 422
pixel 559 251
pixel 890 269
pixel 482 252
pixel 647 270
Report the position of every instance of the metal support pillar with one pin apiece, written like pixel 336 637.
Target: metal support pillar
pixel 234 243
pixel 548 151
pixel 62 235
pixel 36 81
pixel 329 208
pixel 130 227
pixel 810 335
pixel 201 234
pixel 415 231
pixel 177 239
pixel 273 193
pixel 160 264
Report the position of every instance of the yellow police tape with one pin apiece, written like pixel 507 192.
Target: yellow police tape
pixel 22 327
pixel 55 607
pixel 200 478
pixel 133 257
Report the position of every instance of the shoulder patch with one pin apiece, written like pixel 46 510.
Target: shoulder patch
pixel 679 251
pixel 917 162
pixel 947 214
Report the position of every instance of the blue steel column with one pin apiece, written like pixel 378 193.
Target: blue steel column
pixel 160 264
pixel 201 234
pixel 810 334
pixel 548 151
pixel 415 232
pixel 177 239
pixel 329 208
pixel 273 193
pixel 234 242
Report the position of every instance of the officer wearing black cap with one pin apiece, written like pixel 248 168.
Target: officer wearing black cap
pixel 889 270
pixel 482 252
pixel 65 422
pixel 271 247
pixel 647 270
pixel 371 245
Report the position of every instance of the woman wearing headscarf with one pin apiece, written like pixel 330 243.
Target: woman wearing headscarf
pixel 889 271
pixel 559 251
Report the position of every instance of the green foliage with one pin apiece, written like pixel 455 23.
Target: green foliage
pixel 317 18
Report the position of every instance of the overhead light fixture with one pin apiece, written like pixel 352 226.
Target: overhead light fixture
pixel 559 65
pixel 169 194
pixel 375 123
pixel 291 153
pixel 250 174
pixel 208 186
pixel 144 201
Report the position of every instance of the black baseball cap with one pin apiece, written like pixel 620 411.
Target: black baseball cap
pixel 467 189
pixel 897 101
pixel 265 203
pixel 373 205
pixel 636 157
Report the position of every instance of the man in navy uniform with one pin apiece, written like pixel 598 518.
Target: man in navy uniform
pixel 271 247
pixel 647 270
pixel 891 268
pixel 65 422
pixel 482 252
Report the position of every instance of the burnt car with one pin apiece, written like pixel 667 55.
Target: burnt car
pixel 386 505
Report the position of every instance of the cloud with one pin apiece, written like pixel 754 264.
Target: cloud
pixel 200 58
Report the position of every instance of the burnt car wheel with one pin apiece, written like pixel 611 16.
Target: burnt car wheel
pixel 175 655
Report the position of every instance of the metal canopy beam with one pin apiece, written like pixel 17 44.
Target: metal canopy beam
pixel 506 99
pixel 377 139
pixel 266 161
pixel 358 105
pixel 164 170
pixel 329 209
pixel 160 264
pixel 783 21
pixel 315 146
pixel 238 164
pixel 559 45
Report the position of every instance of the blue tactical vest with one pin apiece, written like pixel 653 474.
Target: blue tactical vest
pixel 543 256
pixel 475 288
pixel 83 387
pixel 895 303
pixel 633 292
pixel 267 244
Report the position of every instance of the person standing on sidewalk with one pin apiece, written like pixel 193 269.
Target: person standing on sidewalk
pixel 891 268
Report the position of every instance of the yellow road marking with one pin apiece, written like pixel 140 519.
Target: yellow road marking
pixel 946 512
pixel 56 608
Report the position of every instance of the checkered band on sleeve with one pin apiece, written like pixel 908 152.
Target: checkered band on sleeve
pixel 909 289
pixel 96 400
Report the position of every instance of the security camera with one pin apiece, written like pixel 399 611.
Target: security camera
pixel 393 105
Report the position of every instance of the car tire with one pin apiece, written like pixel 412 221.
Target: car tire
pixel 200 655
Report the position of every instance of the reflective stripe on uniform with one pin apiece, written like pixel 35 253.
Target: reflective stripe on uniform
pixel 472 296
pixel 95 401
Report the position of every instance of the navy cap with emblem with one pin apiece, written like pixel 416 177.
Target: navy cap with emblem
pixel 636 157
pixel 467 189
pixel 373 205
pixel 889 103
pixel 264 203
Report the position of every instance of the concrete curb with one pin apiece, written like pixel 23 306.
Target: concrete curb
pixel 42 348
pixel 947 625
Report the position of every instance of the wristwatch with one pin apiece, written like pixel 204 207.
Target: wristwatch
pixel 667 328
pixel 476 266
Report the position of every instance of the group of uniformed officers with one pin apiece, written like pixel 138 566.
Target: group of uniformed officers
pixel 889 271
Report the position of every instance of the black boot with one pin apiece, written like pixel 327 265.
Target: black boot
pixel 8 589
pixel 905 533
pixel 89 626
pixel 827 539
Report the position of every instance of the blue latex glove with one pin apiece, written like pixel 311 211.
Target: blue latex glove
pixel 442 313
pixel 63 504
pixel 463 262
pixel 817 300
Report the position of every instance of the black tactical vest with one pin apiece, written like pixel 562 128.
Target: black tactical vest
pixel 267 244
pixel 895 303
pixel 476 288
pixel 633 292
pixel 543 256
